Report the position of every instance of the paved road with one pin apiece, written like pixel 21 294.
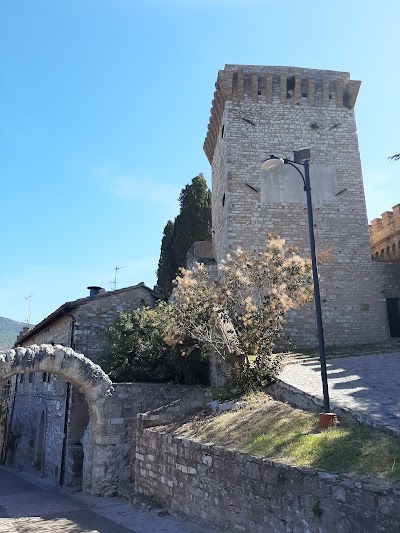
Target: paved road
pixel 32 505
pixel 367 384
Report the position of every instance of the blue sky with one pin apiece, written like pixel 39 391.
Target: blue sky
pixel 104 109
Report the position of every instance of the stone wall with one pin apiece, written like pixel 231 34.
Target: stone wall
pixel 122 410
pixel 98 454
pixel 258 111
pixel 388 274
pixel 81 324
pixel 30 445
pixel 384 234
pixel 56 332
pixel 237 492
pixel 6 397
pixel 97 313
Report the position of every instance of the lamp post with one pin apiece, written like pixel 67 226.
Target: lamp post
pixel 302 157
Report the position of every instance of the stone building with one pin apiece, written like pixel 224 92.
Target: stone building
pixel 258 111
pixel 384 233
pixel 48 417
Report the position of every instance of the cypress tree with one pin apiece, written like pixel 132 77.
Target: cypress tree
pixel 192 224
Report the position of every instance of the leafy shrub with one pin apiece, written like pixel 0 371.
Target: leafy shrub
pixel 239 315
pixel 135 348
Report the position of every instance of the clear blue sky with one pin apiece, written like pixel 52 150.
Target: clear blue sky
pixel 104 109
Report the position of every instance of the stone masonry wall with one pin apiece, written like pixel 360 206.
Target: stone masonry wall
pixel 5 399
pixel 34 396
pixel 275 110
pixel 58 332
pixel 27 448
pixel 98 312
pixel 86 327
pixel 385 235
pixel 388 274
pixel 237 492
pixel 122 410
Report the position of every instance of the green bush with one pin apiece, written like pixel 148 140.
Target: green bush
pixel 136 351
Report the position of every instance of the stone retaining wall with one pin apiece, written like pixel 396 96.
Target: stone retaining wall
pixel 122 410
pixel 238 492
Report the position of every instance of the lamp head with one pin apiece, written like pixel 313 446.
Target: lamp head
pixel 272 163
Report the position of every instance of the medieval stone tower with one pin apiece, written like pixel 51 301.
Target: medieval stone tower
pixel 258 111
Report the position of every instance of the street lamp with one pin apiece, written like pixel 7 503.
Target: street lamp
pixel 302 157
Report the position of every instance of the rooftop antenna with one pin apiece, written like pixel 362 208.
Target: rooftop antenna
pixel 107 283
pixel 115 277
pixel 28 320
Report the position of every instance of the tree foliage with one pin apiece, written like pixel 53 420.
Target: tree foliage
pixel 192 224
pixel 135 348
pixel 240 314
pixel 167 266
pixel 395 157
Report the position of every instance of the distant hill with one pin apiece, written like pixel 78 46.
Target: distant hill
pixel 9 330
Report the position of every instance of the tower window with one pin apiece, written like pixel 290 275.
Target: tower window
pixel 290 83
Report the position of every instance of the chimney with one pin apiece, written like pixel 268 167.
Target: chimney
pixel 24 330
pixel 95 291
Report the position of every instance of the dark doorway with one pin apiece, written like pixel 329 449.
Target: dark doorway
pixel 393 311
pixel 72 470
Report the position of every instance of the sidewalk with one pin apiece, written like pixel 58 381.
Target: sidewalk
pixel 32 505
pixel 365 384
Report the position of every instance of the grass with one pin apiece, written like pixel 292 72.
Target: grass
pixel 272 429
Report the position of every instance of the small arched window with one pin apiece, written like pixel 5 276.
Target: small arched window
pixel 382 254
pixel 388 252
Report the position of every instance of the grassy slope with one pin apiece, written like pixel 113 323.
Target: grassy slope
pixel 267 428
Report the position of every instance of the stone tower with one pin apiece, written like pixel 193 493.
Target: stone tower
pixel 258 111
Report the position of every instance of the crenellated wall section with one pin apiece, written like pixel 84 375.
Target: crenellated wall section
pixel 384 234
pixel 289 85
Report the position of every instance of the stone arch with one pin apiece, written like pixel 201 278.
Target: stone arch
pixel 88 377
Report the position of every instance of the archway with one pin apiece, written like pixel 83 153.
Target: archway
pixel 91 380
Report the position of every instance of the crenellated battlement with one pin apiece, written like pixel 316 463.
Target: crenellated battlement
pixel 384 234
pixel 287 85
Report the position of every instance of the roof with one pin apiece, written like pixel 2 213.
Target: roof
pixel 67 307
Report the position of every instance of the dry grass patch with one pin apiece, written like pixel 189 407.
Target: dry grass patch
pixel 268 428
